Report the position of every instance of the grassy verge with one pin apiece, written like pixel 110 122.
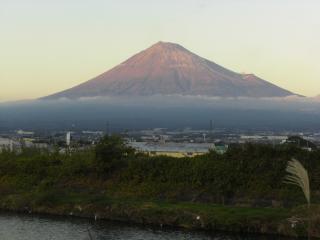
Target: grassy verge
pixel 177 214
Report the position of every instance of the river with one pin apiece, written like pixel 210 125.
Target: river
pixel 29 227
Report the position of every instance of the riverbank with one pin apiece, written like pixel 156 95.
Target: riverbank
pixel 199 216
pixel 239 191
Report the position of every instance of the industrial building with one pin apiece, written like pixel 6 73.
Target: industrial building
pixel 174 149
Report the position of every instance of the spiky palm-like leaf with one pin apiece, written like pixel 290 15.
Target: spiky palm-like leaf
pixel 298 176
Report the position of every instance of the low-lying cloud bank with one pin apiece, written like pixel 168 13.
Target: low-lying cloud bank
pixel 174 111
pixel 290 103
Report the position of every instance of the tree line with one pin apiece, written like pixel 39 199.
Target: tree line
pixel 249 173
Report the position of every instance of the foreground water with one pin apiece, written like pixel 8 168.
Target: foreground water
pixel 27 227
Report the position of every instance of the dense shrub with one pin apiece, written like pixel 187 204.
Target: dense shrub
pixel 252 172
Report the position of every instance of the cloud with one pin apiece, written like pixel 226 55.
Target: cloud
pixel 172 111
pixel 291 103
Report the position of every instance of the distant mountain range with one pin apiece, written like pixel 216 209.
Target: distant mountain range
pixel 170 69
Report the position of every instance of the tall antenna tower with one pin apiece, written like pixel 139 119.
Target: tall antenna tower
pixel 204 137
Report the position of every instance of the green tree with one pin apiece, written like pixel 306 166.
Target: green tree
pixel 110 153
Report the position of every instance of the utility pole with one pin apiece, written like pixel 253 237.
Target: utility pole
pixel 211 130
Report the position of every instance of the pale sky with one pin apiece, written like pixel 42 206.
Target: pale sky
pixel 50 45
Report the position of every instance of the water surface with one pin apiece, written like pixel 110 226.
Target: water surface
pixel 29 227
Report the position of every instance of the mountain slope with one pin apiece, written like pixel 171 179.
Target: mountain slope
pixel 168 68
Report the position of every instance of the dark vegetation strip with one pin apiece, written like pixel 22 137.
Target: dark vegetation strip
pixel 241 190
